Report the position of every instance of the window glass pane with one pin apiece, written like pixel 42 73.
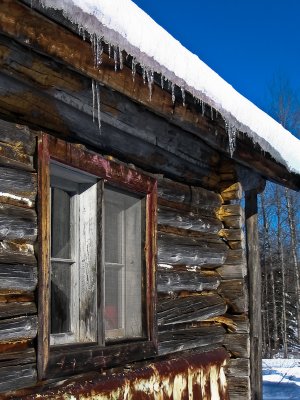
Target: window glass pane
pixel 60 297
pixel 124 260
pixel 60 223
pixel 113 295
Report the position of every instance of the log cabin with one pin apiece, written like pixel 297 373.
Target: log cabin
pixel 129 174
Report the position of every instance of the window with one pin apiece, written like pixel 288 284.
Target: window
pixel 96 221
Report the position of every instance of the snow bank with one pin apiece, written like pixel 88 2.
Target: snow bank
pixel 281 379
pixel 123 24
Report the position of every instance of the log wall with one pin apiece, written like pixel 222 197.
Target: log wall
pixel 18 264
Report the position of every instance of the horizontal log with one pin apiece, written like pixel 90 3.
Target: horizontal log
pixel 18 329
pixel 236 295
pixel 231 210
pixel 16 253
pixel 239 388
pixel 16 228
pixel 17 187
pixel 171 282
pixel 184 339
pixel 236 235
pixel 238 271
pixel 190 251
pixel 16 309
pixel 17 377
pixel 188 195
pixel 19 136
pixel 11 156
pixel 238 367
pixel 241 322
pixel 17 278
pixel 190 308
pixel 186 233
pixel 21 357
pixel 231 191
pixel 193 221
pixel 235 222
pixel 238 344
pixel 236 257
pixel 236 244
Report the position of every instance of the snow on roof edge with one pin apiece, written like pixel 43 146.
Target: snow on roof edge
pixel 139 35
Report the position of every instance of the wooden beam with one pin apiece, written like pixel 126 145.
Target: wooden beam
pixel 254 279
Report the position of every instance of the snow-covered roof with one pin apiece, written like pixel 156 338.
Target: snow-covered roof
pixel 123 24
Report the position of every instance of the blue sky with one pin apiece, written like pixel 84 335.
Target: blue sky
pixel 247 42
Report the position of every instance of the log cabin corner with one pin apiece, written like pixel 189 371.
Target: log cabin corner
pixel 129 262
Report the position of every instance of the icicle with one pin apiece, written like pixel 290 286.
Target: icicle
pixel 121 58
pixel 173 92
pixel 150 79
pixel 99 51
pixel 162 81
pixel 116 57
pixel 231 131
pixel 144 73
pixel 98 106
pixel 109 50
pixel 211 113
pixel 133 68
pixel 202 108
pixel 183 96
pixel 93 92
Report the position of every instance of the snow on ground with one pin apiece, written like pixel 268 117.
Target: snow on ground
pixel 281 379
pixel 125 25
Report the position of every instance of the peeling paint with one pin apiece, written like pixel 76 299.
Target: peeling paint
pixel 188 377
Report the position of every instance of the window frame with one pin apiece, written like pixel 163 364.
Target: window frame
pixel 68 359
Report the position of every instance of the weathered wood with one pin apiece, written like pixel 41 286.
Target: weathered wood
pixel 17 187
pixel 17 329
pixel 190 308
pixel 238 367
pixel 231 210
pixel 17 278
pixel 17 377
pixel 193 221
pixel 16 309
pixel 10 156
pixel 17 253
pixel 190 251
pixel 16 228
pixel 234 221
pixel 236 295
pixel 18 136
pixel 171 282
pixel 183 339
pixel 237 271
pixel 238 344
pixel 235 257
pixel 241 321
pixel 255 289
pixel 231 191
pixel 236 244
pixel 191 196
pixel 236 235
pixel 18 357
pixel 186 233
pixel 239 388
